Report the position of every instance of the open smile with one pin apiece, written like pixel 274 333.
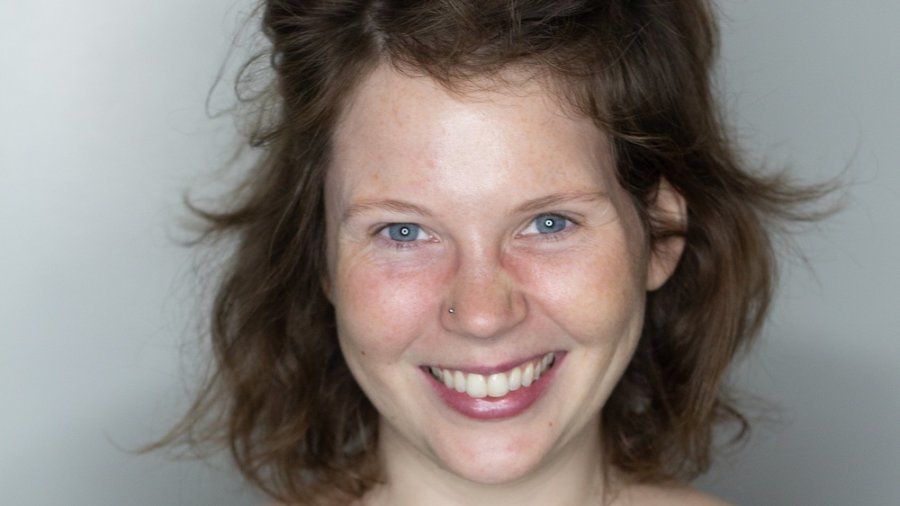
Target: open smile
pixel 494 395
pixel 498 384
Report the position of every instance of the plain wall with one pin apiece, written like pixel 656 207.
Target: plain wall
pixel 102 126
pixel 814 85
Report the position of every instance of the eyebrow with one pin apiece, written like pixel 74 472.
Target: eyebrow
pixel 551 200
pixel 397 206
pixel 532 205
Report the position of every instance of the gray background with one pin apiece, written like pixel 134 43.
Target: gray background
pixel 102 125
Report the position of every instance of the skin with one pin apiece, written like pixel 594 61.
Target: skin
pixel 476 175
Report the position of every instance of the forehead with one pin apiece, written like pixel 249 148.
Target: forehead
pixel 391 96
pixel 396 121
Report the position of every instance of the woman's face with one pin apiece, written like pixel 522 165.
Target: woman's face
pixel 503 207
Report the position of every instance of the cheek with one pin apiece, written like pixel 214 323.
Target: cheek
pixel 596 293
pixel 382 308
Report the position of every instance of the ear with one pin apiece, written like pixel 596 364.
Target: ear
pixel 669 209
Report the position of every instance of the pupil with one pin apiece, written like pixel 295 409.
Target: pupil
pixel 549 223
pixel 405 232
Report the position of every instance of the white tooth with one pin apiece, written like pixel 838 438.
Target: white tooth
pixel 528 375
pixel 459 381
pixel 546 362
pixel 515 379
pixel 497 385
pixel 476 386
pixel 448 378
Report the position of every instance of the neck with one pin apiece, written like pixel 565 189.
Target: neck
pixel 572 475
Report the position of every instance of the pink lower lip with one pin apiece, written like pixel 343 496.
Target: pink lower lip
pixel 496 408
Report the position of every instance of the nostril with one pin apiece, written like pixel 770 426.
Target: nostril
pixel 482 303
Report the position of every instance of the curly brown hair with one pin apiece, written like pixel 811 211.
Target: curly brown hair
pixel 281 396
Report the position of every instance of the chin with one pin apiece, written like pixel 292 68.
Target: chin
pixel 491 468
pixel 505 453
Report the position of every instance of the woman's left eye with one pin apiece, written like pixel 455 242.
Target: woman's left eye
pixel 547 224
pixel 403 232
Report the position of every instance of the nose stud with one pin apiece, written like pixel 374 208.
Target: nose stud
pixel 451 310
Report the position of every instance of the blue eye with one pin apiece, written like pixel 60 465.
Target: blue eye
pixel 549 224
pixel 403 232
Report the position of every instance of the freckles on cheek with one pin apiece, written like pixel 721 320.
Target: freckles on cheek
pixel 382 307
pixel 592 294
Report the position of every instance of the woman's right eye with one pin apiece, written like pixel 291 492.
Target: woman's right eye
pixel 403 232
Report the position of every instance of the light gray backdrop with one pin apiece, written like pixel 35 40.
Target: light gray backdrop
pixel 102 126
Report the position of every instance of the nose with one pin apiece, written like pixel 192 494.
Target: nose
pixel 485 298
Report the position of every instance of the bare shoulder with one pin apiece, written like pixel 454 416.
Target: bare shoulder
pixel 666 495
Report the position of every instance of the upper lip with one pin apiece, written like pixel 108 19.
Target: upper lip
pixel 492 369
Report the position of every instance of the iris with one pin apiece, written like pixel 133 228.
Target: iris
pixel 404 232
pixel 550 223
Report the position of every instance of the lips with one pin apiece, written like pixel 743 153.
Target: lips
pixel 494 395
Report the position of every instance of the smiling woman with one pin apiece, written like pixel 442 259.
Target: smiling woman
pixel 494 253
pixel 510 202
